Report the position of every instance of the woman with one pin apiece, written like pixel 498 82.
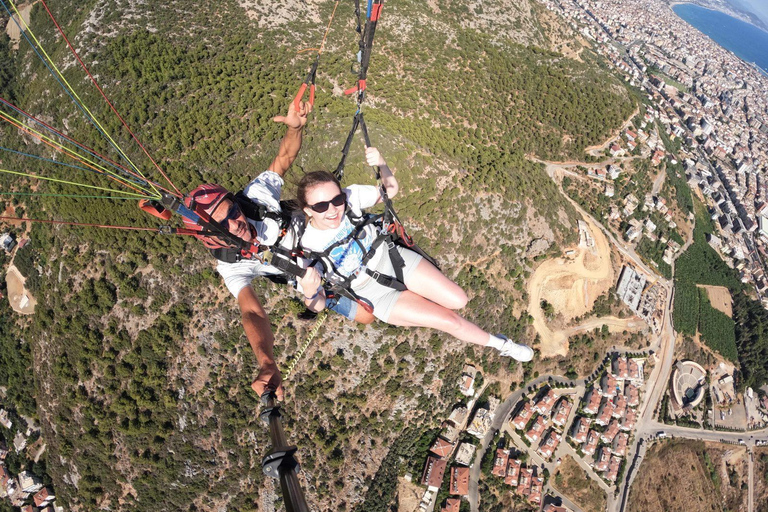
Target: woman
pixel 430 297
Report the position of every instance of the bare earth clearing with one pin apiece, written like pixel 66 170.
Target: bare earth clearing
pixel 572 286
pixel 571 480
pixel 20 299
pixel 408 496
pixel 720 298
pixel 690 475
pixel 12 29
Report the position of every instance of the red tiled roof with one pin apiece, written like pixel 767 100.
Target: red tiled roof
pixel 459 480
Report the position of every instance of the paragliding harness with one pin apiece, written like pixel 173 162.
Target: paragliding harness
pixel 390 233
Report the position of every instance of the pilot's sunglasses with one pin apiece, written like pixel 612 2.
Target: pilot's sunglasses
pixel 323 206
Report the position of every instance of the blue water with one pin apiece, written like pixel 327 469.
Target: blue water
pixel 746 41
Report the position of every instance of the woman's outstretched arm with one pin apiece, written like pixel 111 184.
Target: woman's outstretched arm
pixel 374 159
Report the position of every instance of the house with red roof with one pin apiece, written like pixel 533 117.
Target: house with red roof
pixel 620 403
pixel 500 463
pixel 628 423
pixel 537 429
pixel 605 413
pixel 549 443
pixel 441 448
pixel 610 432
pixel 513 472
pixel 579 430
pixel 459 481
pixel 526 477
pixel 452 505
pixel 434 471
pixel 632 394
pixel 613 469
pixel 592 404
pixel 562 411
pixel 591 445
pixel 608 385
pixel 522 417
pixel 537 486
pixel 43 497
pixel 619 446
pixel 602 459
pixel 545 403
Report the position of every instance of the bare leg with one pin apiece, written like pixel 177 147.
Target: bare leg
pixel 426 280
pixel 413 310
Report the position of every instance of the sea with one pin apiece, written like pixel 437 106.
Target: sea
pixel 743 39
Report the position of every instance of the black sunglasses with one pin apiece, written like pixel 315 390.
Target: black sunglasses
pixel 324 205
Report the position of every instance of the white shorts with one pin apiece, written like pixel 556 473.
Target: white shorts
pixel 384 298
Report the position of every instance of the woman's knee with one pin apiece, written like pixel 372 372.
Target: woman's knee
pixel 457 299
pixel 450 322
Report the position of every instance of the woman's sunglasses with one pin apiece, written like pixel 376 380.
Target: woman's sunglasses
pixel 323 206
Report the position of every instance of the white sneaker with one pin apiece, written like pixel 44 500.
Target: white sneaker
pixel 522 353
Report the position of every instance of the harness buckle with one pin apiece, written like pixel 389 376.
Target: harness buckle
pixel 375 275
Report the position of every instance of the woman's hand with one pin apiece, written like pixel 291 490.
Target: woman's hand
pixel 374 158
pixel 314 296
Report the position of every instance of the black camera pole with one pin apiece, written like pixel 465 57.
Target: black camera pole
pixel 279 462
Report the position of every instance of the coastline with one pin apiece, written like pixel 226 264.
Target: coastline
pixel 750 63
pixel 746 17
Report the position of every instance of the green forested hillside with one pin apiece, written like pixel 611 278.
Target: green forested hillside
pixel 136 354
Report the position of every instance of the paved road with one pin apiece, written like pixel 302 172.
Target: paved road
pixel 751 480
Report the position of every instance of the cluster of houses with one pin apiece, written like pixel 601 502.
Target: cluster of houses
pixel 525 480
pixel 608 416
pixel 447 443
pixel 18 489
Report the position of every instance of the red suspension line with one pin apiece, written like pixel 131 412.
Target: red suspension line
pixel 74 52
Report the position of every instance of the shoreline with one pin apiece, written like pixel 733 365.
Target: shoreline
pixel 752 64
pixel 746 17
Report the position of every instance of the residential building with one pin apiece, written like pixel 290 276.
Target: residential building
pixel 579 430
pixel 628 423
pixel 467 380
pixel 545 403
pixel 459 481
pixel 465 453
pixel 434 471
pixel 522 417
pixel 620 406
pixel 441 448
pixel 619 446
pixel 562 411
pixel 605 413
pixel 500 463
pixel 591 445
pixel 513 472
pixel 549 444
pixel 608 385
pixel 613 469
pixel 44 497
pixel 602 459
pixel 526 475
pixel 619 368
pixel 29 483
pixel 537 486
pixel 633 395
pixel 592 403
pixel 452 505
pixel 536 430
pixel 610 432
